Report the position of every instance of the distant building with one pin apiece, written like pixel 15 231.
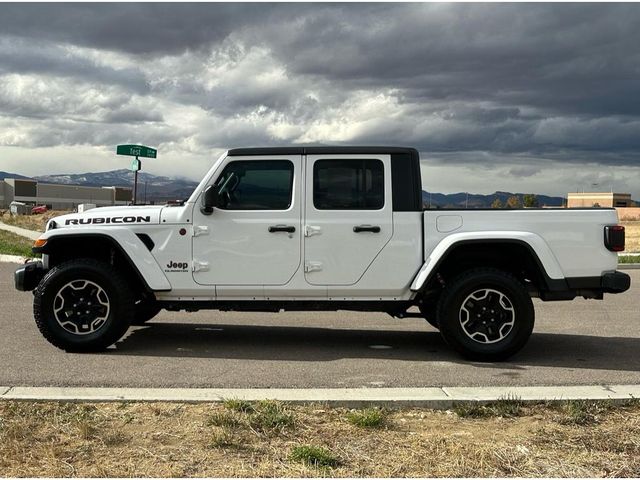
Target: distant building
pixel 58 196
pixel 592 199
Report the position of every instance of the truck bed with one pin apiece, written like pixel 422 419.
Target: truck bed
pixel 570 241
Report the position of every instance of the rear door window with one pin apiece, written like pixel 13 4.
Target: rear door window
pixel 349 184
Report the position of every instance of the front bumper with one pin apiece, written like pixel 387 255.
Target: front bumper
pixel 28 276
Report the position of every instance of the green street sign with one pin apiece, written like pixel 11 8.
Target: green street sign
pixel 136 165
pixel 136 151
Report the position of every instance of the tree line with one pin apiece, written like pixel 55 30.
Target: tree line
pixel 528 200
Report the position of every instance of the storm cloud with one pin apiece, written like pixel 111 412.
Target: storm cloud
pixel 523 95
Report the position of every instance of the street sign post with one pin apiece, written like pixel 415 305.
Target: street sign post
pixel 136 165
pixel 136 151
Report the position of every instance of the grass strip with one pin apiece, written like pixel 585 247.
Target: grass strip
pixel 625 259
pixel 13 244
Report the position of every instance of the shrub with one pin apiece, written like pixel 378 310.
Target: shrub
pixel 367 418
pixel 314 456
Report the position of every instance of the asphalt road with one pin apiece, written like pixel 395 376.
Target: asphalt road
pixel 578 342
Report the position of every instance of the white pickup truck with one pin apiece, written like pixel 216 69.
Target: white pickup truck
pixel 319 228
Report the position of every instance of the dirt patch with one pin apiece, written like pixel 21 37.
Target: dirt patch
pixel 267 439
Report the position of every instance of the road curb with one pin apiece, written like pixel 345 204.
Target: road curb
pixel 429 397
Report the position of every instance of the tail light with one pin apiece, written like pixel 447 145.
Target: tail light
pixel 614 237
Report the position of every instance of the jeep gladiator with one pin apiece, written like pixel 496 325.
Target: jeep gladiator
pixel 319 228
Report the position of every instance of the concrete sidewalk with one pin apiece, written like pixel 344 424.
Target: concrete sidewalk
pixel 12 258
pixel 430 397
pixel 20 231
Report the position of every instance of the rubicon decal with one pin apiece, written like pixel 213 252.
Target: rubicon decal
pixel 102 220
pixel 176 266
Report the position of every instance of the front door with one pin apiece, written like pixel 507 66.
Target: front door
pixel 348 217
pixel 253 238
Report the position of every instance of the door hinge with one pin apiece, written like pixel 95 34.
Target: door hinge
pixel 200 266
pixel 312 266
pixel 310 230
pixel 200 230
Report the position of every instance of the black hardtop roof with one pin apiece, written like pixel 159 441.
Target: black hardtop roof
pixel 237 152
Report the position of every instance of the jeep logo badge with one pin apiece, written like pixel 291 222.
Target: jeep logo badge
pixel 176 266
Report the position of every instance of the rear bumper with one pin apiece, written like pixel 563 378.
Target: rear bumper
pixel 589 287
pixel 613 282
pixel 616 282
pixel 28 276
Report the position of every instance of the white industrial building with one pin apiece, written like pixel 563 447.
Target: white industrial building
pixel 59 196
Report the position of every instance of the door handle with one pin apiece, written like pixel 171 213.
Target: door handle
pixel 282 228
pixel 366 228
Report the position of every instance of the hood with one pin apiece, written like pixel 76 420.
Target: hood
pixel 110 216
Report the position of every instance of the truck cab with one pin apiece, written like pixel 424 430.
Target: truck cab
pixel 319 228
pixel 279 224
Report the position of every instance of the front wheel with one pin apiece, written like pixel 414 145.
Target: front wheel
pixel 83 305
pixel 486 314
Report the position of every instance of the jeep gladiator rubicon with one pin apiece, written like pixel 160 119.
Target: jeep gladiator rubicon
pixel 319 228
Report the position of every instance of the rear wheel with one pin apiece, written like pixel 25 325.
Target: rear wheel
pixel 83 305
pixel 486 314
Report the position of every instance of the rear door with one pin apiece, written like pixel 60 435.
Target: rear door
pixel 348 216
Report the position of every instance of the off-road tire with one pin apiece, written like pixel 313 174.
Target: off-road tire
pixel 119 298
pixel 451 317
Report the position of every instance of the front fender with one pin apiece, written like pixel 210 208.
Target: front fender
pixel 125 240
pixel 538 246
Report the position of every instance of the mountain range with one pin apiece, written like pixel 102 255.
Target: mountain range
pixel 4 175
pixel 160 188
pixel 476 200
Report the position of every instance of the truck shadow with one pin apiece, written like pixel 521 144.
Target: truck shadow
pixel 265 342
pixel 316 344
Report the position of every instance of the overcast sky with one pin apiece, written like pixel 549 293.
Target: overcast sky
pixel 538 98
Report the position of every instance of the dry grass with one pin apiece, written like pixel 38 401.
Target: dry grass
pixel 504 407
pixel 161 440
pixel 36 223
pixel 632 236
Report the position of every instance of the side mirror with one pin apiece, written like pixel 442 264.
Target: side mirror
pixel 210 199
